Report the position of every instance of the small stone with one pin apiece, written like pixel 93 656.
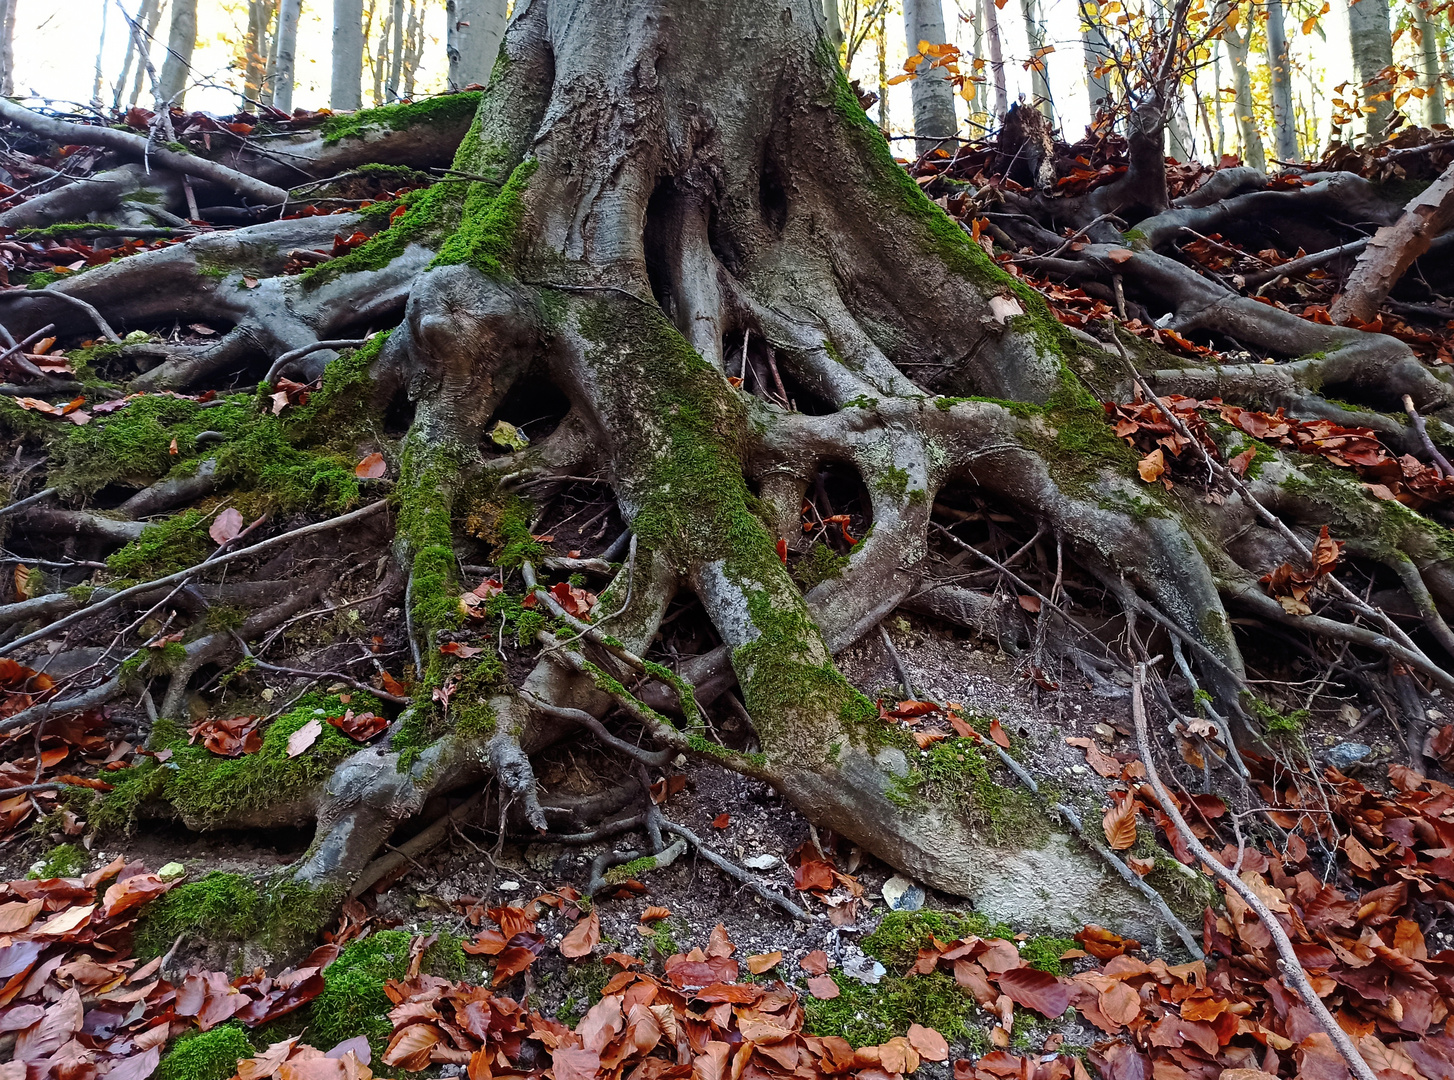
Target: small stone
pixel 761 862
pixel 1347 755
pixel 901 894
pixel 509 886
pixel 863 968
pixel 1349 714
pixel 172 871
pixel 1105 731
pixel 1078 770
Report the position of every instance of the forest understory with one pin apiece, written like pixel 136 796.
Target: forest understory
pixel 939 573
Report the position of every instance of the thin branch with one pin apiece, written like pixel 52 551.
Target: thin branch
pixel 1288 962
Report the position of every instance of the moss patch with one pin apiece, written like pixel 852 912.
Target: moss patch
pixel 63 860
pixel 206 1055
pixel 446 109
pixel 228 907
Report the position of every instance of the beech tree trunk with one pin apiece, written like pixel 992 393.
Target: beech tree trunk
pixel 1429 67
pixel 346 83
pixel 1097 51
pixel 474 29
pixel 1251 139
pixel 181 40
pixel 834 20
pixel 396 51
pixel 7 46
pixel 1372 45
pixel 935 123
pixel 997 59
pixel 1284 125
pixel 285 70
pixel 1039 73
pixel 648 186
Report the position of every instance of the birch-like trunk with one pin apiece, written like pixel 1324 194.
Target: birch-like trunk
pixel 7 46
pixel 1252 153
pixel 285 70
pixel 933 97
pixel 472 39
pixel 100 57
pixel 835 24
pixel 1284 128
pixel 1372 46
pixel 1039 73
pixel 1429 72
pixel 181 40
pixel 1097 51
pixel 345 90
pixel 997 60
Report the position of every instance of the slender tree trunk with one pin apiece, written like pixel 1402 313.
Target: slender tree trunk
pixel 1236 39
pixel 254 49
pixel 473 32
pixel 345 89
pixel 413 47
pixel 933 97
pixel 835 24
pixel 7 46
pixel 285 73
pixel 181 40
pixel 1181 140
pixel 1429 66
pixel 100 58
pixel 1097 51
pixel 1284 129
pixel 381 60
pixel 997 60
pixel 1039 73
pixel 1372 55
pixel 150 16
pixel 396 49
pixel 1217 98
pixel 270 77
pixel 883 71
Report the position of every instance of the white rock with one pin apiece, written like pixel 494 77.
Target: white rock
pixel 901 894
pixel 509 886
pixel 863 968
pixel 761 862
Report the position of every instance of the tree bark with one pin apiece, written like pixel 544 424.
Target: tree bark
pixel 1429 67
pixel 1039 73
pixel 474 31
pixel 997 60
pixel 100 57
pixel 285 71
pixel 396 50
pixel 181 40
pixel 1097 52
pixel 935 123
pixel 345 91
pixel 7 46
pixel 1393 250
pixel 1252 153
pixel 834 19
pixel 1372 45
pixel 1284 127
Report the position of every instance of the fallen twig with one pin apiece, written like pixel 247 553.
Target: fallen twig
pixel 736 873
pixel 1288 962
pixel 1423 433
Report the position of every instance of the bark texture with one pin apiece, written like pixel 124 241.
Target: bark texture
pixel 1279 66
pixel 181 40
pixel 346 83
pixel 934 120
pixel 1372 45
pixel 284 73
pixel 475 28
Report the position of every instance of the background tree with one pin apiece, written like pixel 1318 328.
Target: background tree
pixel 181 40
pixel 1237 36
pixel 1372 45
pixel 474 29
pixel 1430 68
pixel 283 73
pixel 1279 66
pixel 1039 69
pixel 346 80
pixel 7 46
pixel 138 53
pixel 933 96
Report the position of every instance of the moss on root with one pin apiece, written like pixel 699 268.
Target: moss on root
pixel 279 915
pixel 207 789
pixel 445 109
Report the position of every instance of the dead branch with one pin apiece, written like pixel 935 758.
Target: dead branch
pixel 136 146
pixel 1288 962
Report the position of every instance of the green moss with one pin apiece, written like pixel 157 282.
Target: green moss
pixel 206 1055
pixel 446 109
pixel 893 482
pixel 584 983
pixel 869 1015
pixel 353 1001
pixel 820 564
pixel 486 235
pixel 206 788
pixel 633 869
pixel 896 940
pixel 1044 952
pixel 1277 723
pixel 64 230
pixel 428 478
pixel 63 860
pixel 956 772
pixel 164 547
pixel 862 401
pixel 222 907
